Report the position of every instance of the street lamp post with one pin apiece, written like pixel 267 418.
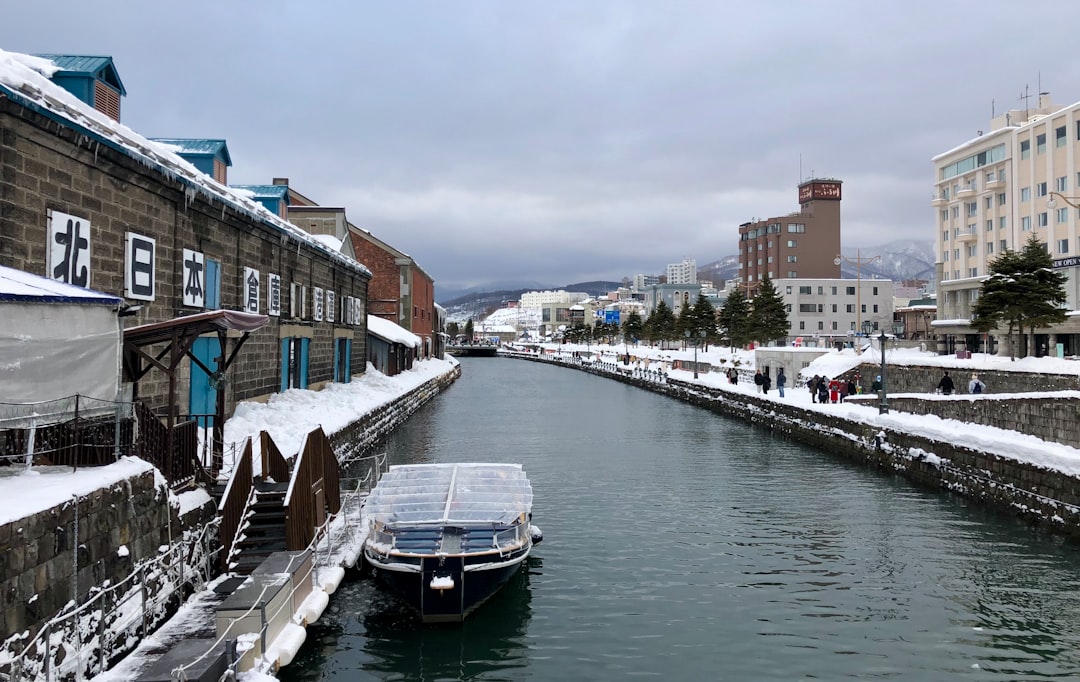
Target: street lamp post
pixel 858 261
pixel 701 333
pixel 883 406
pixel 1050 202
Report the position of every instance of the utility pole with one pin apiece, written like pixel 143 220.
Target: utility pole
pixel 858 261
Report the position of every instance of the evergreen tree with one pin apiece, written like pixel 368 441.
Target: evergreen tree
pixel 734 318
pixel 1022 292
pixel 468 331
pixel 705 320
pixel 768 318
pixel 452 330
pixel 633 328
pixel 660 327
pixel 665 323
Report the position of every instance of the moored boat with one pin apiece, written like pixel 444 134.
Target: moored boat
pixel 445 537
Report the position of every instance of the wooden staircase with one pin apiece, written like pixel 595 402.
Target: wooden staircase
pixel 263 528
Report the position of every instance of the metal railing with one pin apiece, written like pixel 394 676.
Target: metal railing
pixel 334 533
pixel 73 431
pixel 119 615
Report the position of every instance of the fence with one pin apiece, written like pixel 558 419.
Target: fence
pixel 82 640
pixel 79 431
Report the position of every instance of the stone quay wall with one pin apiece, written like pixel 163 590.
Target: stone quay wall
pixel 66 553
pixel 359 438
pixel 1040 496
pixel 69 552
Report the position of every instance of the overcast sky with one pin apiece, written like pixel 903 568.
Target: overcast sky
pixel 562 141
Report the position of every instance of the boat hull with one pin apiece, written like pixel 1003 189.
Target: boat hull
pixel 424 585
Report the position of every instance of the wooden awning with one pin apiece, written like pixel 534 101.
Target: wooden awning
pixel 178 336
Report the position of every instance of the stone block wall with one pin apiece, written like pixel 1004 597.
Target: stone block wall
pixel 62 554
pixel 360 438
pixel 1039 495
pixel 46 165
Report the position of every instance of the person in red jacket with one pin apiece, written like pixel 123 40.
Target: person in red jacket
pixel 834 391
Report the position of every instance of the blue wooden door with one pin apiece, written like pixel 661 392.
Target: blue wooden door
pixel 203 398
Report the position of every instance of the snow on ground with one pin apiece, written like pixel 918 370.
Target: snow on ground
pixel 1007 444
pixel 289 416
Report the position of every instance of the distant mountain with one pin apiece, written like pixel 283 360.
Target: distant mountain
pixel 477 305
pixel 901 260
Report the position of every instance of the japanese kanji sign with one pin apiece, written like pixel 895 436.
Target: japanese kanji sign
pixel 193 270
pixel 69 249
pixel 273 294
pixel 251 290
pixel 139 276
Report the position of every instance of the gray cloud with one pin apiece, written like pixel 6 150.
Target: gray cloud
pixel 564 141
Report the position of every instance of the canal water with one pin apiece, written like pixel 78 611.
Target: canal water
pixel 679 545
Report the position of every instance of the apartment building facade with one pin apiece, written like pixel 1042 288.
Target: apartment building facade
pixel 683 272
pixel 832 311
pixel 994 192
pixel 800 245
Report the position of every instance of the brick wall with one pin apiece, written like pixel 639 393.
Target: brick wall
pixel 47 166
pixel 384 291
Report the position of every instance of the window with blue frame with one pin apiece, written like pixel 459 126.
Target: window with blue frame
pixel 213 284
pixel 343 360
pixel 294 362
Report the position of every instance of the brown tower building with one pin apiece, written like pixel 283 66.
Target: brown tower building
pixel 801 245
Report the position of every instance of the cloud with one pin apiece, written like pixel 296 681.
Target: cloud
pixel 567 141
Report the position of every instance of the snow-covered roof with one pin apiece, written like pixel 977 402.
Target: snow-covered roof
pixel 16 285
pixel 388 331
pixel 25 79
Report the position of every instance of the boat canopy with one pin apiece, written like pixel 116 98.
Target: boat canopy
pixel 447 494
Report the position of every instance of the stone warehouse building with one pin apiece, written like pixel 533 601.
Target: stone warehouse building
pixel 89 202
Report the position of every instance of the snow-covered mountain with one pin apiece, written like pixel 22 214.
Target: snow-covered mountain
pixel 904 259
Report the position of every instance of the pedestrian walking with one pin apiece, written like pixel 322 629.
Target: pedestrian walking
pixel 875 385
pixel 976 385
pixel 946 385
pixel 813 384
pixel 759 379
pixel 766 383
pixel 781 381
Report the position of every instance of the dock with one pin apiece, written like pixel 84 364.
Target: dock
pixel 480 351
pixel 256 622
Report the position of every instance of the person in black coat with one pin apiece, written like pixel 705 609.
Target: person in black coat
pixel 946 385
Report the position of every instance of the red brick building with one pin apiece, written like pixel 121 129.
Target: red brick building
pixel 400 290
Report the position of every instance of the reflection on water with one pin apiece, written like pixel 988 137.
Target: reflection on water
pixel 681 545
pixel 394 644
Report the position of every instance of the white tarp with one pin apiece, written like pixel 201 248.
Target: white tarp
pixel 55 350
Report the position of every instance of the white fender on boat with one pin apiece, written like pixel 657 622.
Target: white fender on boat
pixel 536 534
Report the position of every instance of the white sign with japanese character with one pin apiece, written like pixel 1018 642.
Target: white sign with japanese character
pixel 193 269
pixel 139 275
pixel 318 304
pixel 329 305
pixel 251 290
pixel 69 249
pixel 273 294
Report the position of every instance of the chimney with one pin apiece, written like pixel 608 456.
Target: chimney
pixel 281 181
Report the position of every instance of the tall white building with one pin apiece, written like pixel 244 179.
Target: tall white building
pixel 539 299
pixel 682 273
pixel 991 193
pixel 642 282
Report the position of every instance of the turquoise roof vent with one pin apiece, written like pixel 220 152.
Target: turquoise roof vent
pixel 93 79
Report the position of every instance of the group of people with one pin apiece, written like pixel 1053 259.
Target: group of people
pixel 947 386
pixel 825 390
pixel 764 381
